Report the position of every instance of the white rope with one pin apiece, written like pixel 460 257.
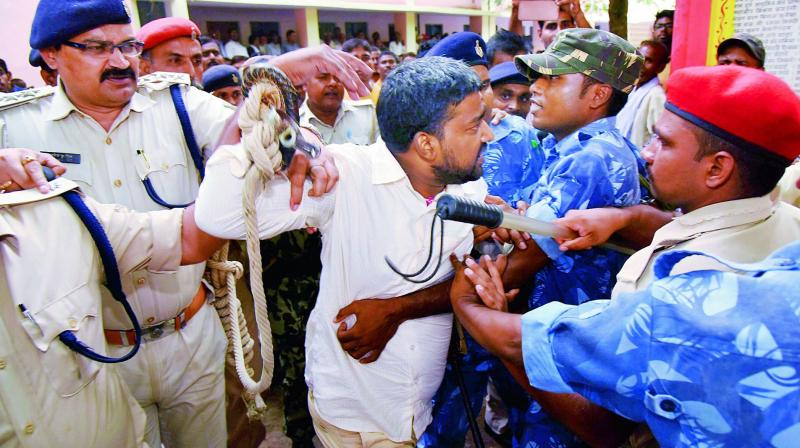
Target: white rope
pixel 259 123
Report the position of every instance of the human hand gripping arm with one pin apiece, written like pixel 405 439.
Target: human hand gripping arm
pixel 367 338
pixel 635 226
pixel 476 295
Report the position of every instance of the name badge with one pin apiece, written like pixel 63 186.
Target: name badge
pixel 65 157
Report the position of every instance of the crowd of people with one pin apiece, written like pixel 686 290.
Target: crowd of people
pixel 664 312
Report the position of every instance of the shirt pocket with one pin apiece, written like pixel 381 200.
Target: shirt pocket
pixel 76 311
pixel 170 171
pixel 80 172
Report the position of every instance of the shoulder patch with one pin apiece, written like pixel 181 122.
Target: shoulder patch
pixel 162 80
pixel 10 100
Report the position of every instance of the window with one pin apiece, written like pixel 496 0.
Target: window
pixel 264 28
pixel 433 29
pixel 327 27
pixel 352 29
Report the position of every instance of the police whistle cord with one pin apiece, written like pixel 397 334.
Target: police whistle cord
pixel 264 135
pixel 454 208
pixel 113 282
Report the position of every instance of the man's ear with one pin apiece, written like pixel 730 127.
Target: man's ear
pixel 144 66
pixel 600 95
pixel 49 57
pixel 426 145
pixel 719 169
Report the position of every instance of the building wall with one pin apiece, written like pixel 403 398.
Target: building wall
pixel 376 21
pixel 202 14
pixel 450 23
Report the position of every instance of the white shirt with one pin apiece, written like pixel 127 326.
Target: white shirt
pixel 356 123
pixel 397 47
pixel 627 117
pixel 234 48
pixel 372 212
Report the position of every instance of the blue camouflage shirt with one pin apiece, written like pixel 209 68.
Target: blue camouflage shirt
pixel 592 167
pixel 513 160
pixel 706 359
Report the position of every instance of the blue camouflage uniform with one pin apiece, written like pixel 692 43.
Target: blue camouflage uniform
pixel 512 161
pixel 592 167
pixel 706 358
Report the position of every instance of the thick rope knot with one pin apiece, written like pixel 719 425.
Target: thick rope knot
pixel 259 121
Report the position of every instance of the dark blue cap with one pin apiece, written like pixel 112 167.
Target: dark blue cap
pixel 35 59
pixel 466 47
pixel 220 76
pixel 507 73
pixel 57 21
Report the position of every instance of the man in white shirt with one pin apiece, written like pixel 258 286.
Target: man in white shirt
pixel 376 344
pixel 233 47
pixel 646 102
pixel 336 120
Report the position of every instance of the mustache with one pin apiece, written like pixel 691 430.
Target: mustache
pixel 118 73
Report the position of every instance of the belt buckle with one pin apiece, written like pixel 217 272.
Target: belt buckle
pixel 157 331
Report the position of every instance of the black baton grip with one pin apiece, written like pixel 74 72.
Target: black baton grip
pixel 454 208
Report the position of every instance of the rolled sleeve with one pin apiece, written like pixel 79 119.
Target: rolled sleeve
pixel 537 347
pixel 219 210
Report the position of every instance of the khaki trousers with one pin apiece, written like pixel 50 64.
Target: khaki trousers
pixel 334 437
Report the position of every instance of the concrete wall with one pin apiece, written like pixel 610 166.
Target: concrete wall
pixel 450 24
pixel 202 14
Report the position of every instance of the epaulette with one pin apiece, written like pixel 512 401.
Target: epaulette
pixel 9 100
pixel 58 187
pixel 162 80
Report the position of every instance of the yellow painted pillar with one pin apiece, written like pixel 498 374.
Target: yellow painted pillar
pixel 133 8
pixel 488 23
pixel 178 8
pixel 307 22
pixel 411 32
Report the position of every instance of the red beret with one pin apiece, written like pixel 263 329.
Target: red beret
pixel 745 106
pixel 162 30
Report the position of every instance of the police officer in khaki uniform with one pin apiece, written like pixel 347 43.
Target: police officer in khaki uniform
pixel 50 277
pixel 124 143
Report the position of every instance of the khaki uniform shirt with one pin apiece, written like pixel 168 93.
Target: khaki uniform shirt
pixel 50 396
pixel 356 123
pixel 744 231
pixel 787 187
pixel 145 140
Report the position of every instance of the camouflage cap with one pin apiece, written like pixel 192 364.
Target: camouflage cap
pixel 598 54
pixel 750 42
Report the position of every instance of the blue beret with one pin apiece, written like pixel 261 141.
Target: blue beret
pixel 507 73
pixel 220 76
pixel 466 47
pixel 35 59
pixel 57 21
